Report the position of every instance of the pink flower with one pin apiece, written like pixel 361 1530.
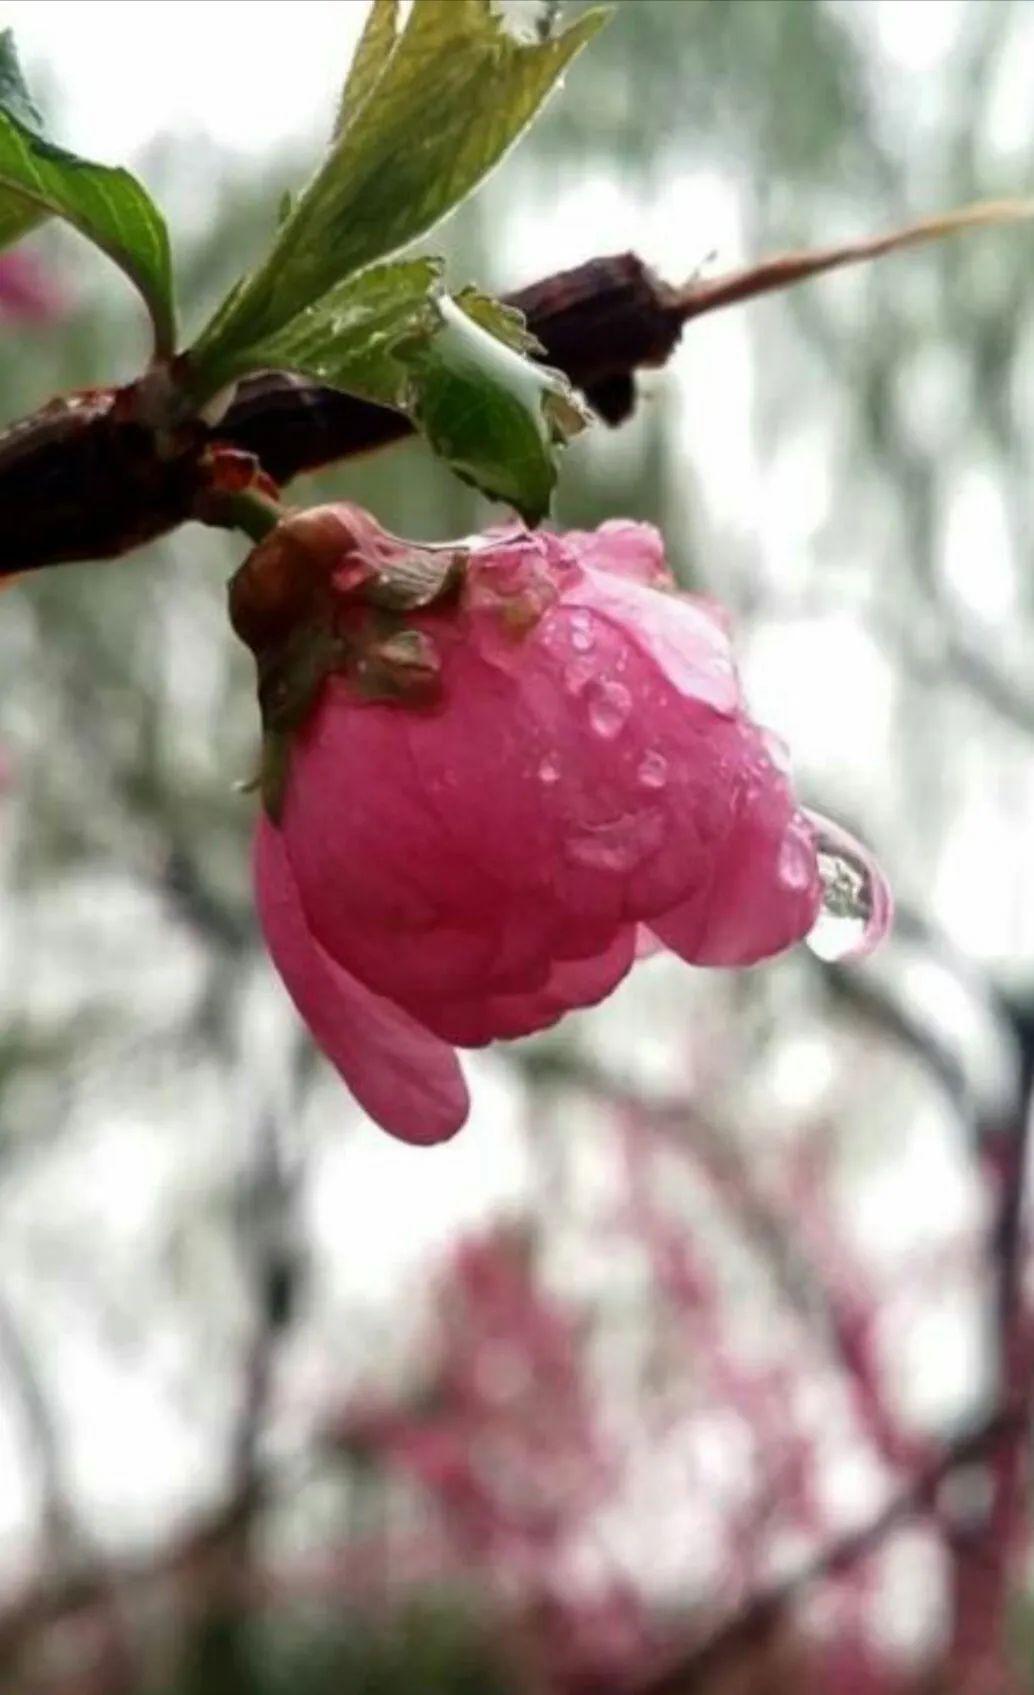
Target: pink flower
pixel 488 767
pixel 503 1436
pixel 26 290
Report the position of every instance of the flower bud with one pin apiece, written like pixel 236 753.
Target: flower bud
pixel 503 769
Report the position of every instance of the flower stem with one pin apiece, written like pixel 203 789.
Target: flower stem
pixel 245 509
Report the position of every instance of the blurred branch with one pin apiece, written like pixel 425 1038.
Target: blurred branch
pixel 180 882
pixel 218 1651
pixel 820 1291
pixel 978 671
pixel 961 659
pixel 882 1010
pixel 985 1561
pixel 211 1560
pixel 764 1611
pixel 50 1597
pixel 985 1550
pixel 945 654
pixel 265 1206
pixel 1009 1237
pixel 60 1531
pixel 67 1552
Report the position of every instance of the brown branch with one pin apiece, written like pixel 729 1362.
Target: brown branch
pixel 86 478
pixel 599 323
pixel 783 270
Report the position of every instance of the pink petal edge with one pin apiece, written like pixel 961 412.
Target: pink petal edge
pixel 408 1081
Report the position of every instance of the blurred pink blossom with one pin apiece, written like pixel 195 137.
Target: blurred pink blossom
pixel 505 1446
pixel 505 1440
pixel 27 291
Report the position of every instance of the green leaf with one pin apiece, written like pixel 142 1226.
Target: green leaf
pixel 356 338
pixel 495 417
pixel 17 215
pixel 506 323
pixel 455 367
pixel 14 96
pixel 39 179
pixel 376 45
pixel 17 218
pixel 426 114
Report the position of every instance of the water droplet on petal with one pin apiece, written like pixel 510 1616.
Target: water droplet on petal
pixel 857 905
pixel 579 675
pixel 653 770
pixel 548 772
pixel 618 844
pixel 581 631
pixel 609 707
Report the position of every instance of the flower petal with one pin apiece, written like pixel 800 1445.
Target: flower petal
pixel 408 1080
pixel 765 892
pixel 571 983
pixel 626 548
pixel 679 634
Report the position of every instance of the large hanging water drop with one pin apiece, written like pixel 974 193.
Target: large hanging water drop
pixel 857 905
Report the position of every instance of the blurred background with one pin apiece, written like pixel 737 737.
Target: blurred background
pixel 700 1360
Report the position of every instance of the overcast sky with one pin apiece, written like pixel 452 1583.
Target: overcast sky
pixel 253 76
pixel 250 76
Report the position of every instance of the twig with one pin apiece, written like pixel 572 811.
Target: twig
pixel 786 269
pixel 86 478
